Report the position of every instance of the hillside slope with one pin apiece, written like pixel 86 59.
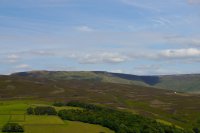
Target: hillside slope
pixel 84 75
pixel 184 83
pixel 179 108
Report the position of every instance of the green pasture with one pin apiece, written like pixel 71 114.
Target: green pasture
pixel 69 126
pixel 57 108
pixel 14 111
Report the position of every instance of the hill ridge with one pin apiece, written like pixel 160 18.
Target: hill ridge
pixel 178 82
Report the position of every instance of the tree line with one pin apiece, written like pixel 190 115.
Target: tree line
pixel 118 121
pixel 41 110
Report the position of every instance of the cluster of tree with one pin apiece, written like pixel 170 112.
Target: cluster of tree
pixel 196 129
pixel 78 104
pixel 12 127
pixel 120 122
pixel 41 110
pixel 86 106
pixel 59 104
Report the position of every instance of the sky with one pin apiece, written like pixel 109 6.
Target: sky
pixel 143 37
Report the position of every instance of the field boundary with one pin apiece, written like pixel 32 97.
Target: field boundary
pixel 44 124
pixel 12 115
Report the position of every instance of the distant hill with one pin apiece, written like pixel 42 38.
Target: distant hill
pixel 184 83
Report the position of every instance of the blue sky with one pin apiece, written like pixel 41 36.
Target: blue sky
pixel 145 37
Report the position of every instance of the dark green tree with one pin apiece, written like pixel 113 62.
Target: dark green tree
pixel 12 127
pixel 30 111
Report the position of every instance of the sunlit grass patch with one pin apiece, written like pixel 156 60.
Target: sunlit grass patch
pixel 17 118
pixel 167 123
pixel 37 120
pixel 4 119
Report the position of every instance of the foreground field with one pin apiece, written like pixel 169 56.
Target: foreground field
pixel 69 126
pixel 14 111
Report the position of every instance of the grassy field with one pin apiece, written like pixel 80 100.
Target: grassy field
pixel 14 111
pixel 69 126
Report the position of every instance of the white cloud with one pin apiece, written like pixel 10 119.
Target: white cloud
pixel 117 71
pixel 101 58
pixel 161 21
pixel 186 55
pixel 146 67
pixel 160 71
pixel 154 69
pixel 183 40
pixel 23 66
pixel 41 52
pixel 84 29
pixel 13 58
pixel 180 53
